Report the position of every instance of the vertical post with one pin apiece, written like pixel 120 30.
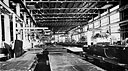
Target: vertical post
pixel 24 26
pixel 89 34
pixel 100 19
pixel 29 27
pixel 81 31
pixel 109 30
pixel 31 23
pixel 19 36
pixel 89 37
pixel 24 30
pixel 99 16
pixel 71 36
pixel 0 33
pixel 7 24
pixel 109 22
pixel 18 9
pixel 14 27
pixel 93 25
pixel 25 41
pixel 58 38
pixel 35 32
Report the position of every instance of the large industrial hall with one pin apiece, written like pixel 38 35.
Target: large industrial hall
pixel 63 35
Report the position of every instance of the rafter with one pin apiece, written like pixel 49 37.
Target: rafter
pixel 76 1
pixel 62 21
pixel 62 17
pixel 64 8
pixel 24 6
pixel 32 28
pixel 63 13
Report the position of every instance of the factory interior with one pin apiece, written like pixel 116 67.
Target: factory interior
pixel 63 35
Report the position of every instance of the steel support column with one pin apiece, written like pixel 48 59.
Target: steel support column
pixel 14 27
pixel 19 35
pixel 7 24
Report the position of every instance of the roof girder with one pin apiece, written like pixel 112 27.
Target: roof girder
pixel 76 1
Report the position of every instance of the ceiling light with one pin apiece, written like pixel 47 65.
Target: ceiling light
pixel 13 4
pixel 31 6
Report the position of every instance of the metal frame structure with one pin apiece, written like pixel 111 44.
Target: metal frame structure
pixel 74 1
pixel 47 13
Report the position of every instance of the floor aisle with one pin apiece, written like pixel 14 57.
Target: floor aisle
pixel 63 61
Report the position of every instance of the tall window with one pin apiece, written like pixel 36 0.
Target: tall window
pixel 96 24
pixel 105 29
pixel 85 28
pixel 104 21
pixel 115 17
pixel 90 26
pixel 115 28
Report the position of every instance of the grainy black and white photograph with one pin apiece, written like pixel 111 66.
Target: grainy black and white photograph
pixel 63 35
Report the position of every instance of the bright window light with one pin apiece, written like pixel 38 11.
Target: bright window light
pixel 107 6
pixel 114 8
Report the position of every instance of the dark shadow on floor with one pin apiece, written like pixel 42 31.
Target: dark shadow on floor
pixel 43 64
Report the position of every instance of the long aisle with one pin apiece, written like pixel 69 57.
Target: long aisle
pixel 60 60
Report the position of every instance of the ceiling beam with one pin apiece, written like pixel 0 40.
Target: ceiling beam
pixel 63 8
pixel 22 4
pixel 61 21
pixel 74 1
pixel 32 28
pixel 63 13
pixel 62 17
